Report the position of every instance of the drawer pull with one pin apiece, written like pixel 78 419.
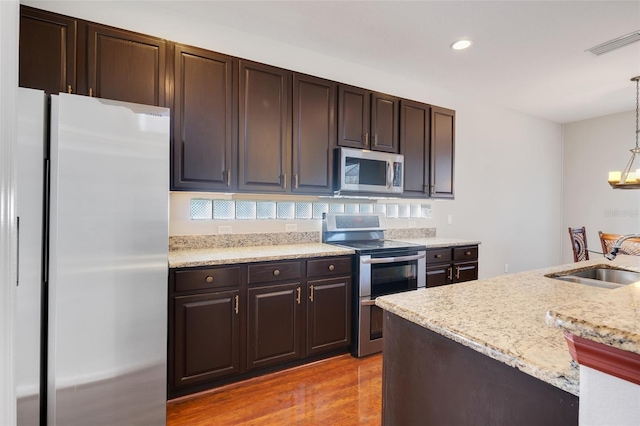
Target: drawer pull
pixel 236 304
pixel 457 272
pixel 331 267
pixel 276 272
pixel 209 279
pixel 450 275
pixel 311 296
pixel 438 256
pixel 298 298
pixel 468 253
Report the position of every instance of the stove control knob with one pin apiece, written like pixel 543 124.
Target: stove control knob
pixel 331 267
pixel 276 272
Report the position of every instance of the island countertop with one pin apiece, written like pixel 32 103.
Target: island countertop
pixel 505 317
pixel 230 255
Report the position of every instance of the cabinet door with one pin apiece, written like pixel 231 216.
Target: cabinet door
pixel 465 271
pixel 353 117
pixel 273 326
pixel 204 122
pixel 265 128
pixel 415 139
pixel 314 134
pixel 125 66
pixel 384 122
pixel 206 337
pixel 47 51
pixel 439 275
pixel 442 152
pixel 328 314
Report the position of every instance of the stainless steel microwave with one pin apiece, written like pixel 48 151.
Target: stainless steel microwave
pixel 361 170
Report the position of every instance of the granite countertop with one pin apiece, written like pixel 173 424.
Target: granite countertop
pixel 225 256
pixel 505 317
pixel 435 242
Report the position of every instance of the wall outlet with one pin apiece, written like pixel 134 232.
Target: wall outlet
pixel 449 219
pixel 225 229
pixel 506 267
pixel 291 227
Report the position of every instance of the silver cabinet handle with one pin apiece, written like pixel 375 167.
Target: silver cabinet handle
pixel 457 272
pixel 311 296
pixel 298 298
pixel 276 272
pixel 450 276
pixel 295 181
pixel 209 279
pixel 366 139
pixel 236 304
pixel 228 173
pixel 331 267
pixel 394 259
pixel 368 302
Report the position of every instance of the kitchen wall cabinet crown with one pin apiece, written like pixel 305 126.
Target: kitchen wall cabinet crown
pixel 238 125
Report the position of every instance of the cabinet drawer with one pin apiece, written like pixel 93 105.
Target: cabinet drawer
pixel 331 266
pixel 465 253
pixel 438 256
pixel 274 272
pixel 196 279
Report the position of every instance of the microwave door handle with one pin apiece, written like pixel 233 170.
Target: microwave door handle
pixel 389 176
pixel 394 259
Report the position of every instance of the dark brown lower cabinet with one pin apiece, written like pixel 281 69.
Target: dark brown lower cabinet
pixel 207 337
pixel 451 265
pixel 328 314
pixel 273 328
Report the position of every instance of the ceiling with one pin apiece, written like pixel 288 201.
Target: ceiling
pixel 527 56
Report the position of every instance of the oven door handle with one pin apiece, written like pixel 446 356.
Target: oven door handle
pixel 368 302
pixel 394 259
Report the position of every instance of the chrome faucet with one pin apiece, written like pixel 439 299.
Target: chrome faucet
pixel 618 245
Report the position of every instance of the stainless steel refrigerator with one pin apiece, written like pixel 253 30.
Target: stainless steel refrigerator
pixel 92 319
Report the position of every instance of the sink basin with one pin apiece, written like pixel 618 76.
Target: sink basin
pixel 599 276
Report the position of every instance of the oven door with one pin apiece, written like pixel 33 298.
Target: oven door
pixel 382 274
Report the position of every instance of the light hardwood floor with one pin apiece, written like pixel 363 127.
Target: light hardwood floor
pixel 338 391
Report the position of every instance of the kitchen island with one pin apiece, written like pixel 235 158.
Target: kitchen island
pixel 482 352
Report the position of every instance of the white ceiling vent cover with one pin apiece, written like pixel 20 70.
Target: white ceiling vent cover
pixel 616 43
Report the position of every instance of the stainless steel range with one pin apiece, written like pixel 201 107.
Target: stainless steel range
pixel 380 267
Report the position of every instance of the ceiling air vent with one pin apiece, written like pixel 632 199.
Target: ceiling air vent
pixel 616 43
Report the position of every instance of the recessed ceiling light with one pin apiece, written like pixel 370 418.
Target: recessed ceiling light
pixel 461 44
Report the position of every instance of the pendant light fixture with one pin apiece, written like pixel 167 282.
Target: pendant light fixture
pixel 628 179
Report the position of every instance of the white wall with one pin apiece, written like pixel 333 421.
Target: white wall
pixel 8 88
pixel 508 165
pixel 592 148
pixel 607 400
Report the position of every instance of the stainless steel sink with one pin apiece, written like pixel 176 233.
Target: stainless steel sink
pixel 599 276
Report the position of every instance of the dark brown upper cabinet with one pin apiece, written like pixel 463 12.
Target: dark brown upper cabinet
pixel 204 120
pixel 125 66
pixel 264 128
pixel 367 120
pixel 384 122
pixel 415 136
pixel 443 124
pixel 314 134
pixel 47 51
pixel 353 117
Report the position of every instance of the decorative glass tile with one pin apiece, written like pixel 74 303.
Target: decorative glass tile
pixel 352 208
pixel 336 208
pixel 366 208
pixel 404 211
pixel 319 208
pixel 224 209
pixel 266 210
pixel 201 209
pixel 426 211
pixel 304 210
pixel 245 209
pixel 380 208
pixel 416 210
pixel 392 211
pixel 286 210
